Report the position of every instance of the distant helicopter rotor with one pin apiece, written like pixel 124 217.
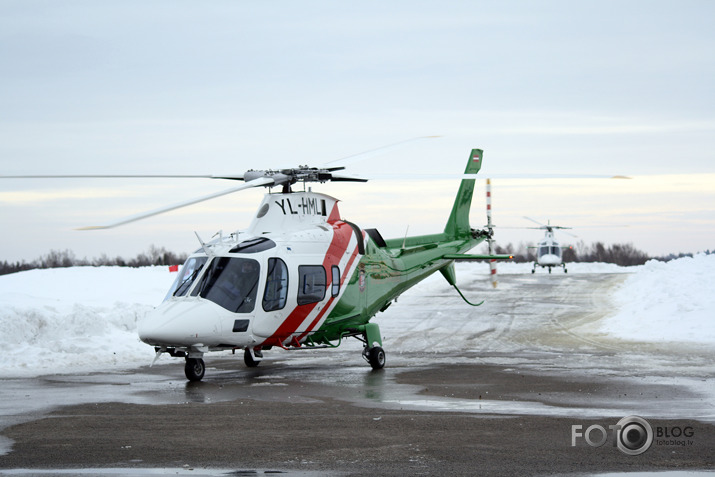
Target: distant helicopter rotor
pixel 548 227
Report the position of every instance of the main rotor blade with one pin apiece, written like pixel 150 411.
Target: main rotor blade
pixel 116 176
pixel 527 175
pixel 430 176
pixel 339 178
pixel 537 223
pixel 262 181
pixel 374 152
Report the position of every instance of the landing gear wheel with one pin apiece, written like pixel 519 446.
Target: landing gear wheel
pixel 248 358
pixel 376 357
pixel 194 369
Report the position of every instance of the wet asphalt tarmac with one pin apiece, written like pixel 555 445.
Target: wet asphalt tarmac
pixel 508 407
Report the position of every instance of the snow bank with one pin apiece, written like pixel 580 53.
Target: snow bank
pixel 667 301
pixel 507 268
pixel 77 319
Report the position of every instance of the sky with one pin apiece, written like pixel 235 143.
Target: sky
pixel 220 87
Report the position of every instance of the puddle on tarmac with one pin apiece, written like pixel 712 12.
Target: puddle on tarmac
pixel 144 472
pixel 674 473
pixel 148 472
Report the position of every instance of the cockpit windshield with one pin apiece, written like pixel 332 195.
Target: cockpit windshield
pixel 186 278
pixel 231 283
pixel 549 250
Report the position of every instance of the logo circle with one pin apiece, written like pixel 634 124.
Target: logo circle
pixel 634 435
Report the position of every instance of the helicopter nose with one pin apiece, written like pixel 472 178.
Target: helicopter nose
pixel 180 323
pixel 549 259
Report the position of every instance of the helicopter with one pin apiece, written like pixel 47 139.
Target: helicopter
pixel 300 277
pixel 549 252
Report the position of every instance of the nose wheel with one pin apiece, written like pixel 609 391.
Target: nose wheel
pixel 252 357
pixel 194 369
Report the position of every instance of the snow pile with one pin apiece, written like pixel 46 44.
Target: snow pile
pixel 508 268
pixel 77 319
pixel 667 301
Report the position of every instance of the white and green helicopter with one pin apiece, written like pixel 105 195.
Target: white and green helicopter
pixel 300 276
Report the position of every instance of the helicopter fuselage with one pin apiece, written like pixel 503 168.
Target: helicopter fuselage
pixel 549 253
pixel 315 281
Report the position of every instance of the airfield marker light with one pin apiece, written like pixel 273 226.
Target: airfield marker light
pixel 490 241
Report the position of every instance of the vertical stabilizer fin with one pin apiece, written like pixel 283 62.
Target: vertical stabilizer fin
pixel 458 223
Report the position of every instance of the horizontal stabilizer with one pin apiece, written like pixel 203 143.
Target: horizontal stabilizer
pixel 470 256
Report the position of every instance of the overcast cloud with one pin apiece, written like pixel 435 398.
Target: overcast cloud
pixel 216 87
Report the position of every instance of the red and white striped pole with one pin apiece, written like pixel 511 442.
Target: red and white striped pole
pixel 490 241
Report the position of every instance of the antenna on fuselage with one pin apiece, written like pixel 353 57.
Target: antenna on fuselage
pixel 404 241
pixel 205 247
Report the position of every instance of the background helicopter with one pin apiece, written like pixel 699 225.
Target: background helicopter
pixel 549 253
pixel 299 277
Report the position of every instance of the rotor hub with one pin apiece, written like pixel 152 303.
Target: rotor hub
pixel 287 177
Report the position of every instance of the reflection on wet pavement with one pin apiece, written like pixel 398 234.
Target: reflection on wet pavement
pixel 145 472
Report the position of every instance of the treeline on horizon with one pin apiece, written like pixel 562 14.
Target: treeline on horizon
pixel 624 255
pixel 66 258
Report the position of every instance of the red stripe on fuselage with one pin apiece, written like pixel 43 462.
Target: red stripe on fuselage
pixel 334 214
pixel 325 309
pixel 342 233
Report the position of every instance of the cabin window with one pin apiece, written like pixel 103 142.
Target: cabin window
pixel 312 282
pixel 276 292
pixel 556 251
pixel 335 281
pixel 231 283
pixel 256 245
pixel 191 269
pixel 543 251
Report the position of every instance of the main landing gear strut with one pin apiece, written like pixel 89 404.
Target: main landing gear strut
pixel 563 265
pixel 372 352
